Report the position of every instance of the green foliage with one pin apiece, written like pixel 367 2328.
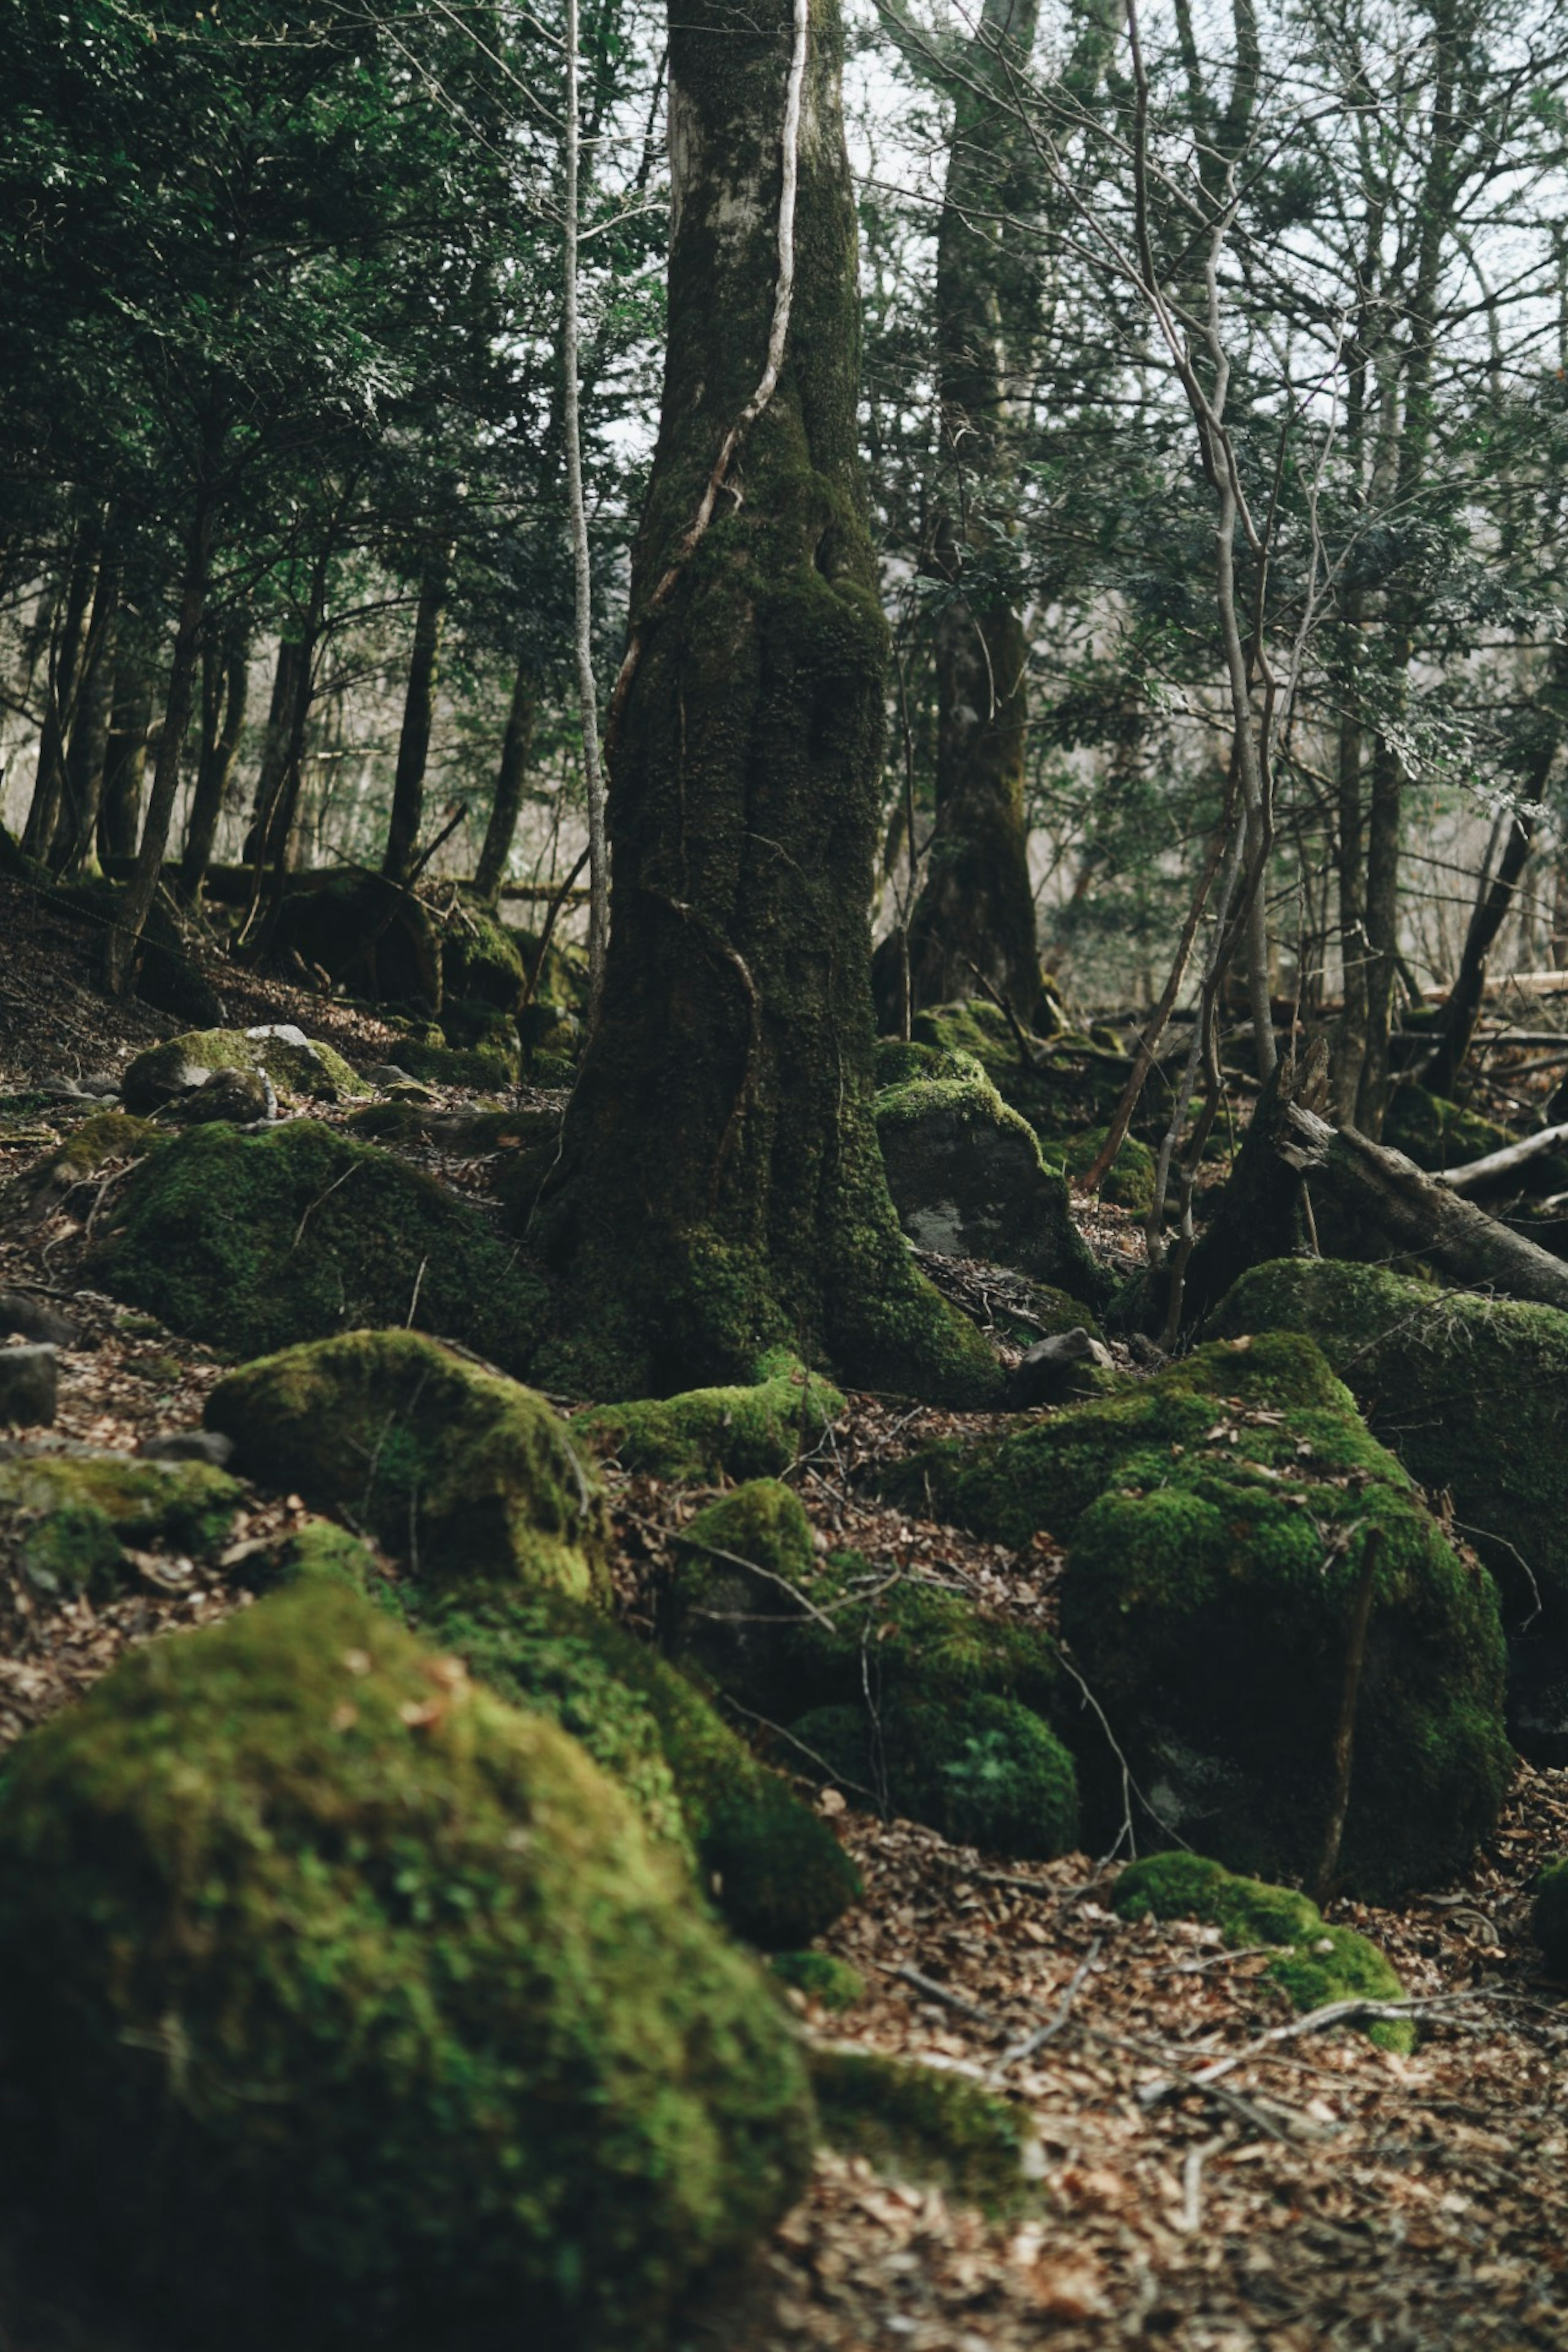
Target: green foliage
pixel 822 1976
pixel 1317 1963
pixel 775 1871
pixel 983 1770
pixel 917 2123
pixel 254 1241
pixel 423 2030
pixel 469 1477
pixel 735 1432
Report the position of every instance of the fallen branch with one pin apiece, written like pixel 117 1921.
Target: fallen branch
pixel 1475 1174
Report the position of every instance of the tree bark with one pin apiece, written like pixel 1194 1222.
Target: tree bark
pixel 226 686
pixel 125 753
pixel 977 910
pixel 65 661
pixel 413 741
pixel 510 779
pixel 720 1189
pixel 86 746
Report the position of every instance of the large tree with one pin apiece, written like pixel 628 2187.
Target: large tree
pixel 720 1187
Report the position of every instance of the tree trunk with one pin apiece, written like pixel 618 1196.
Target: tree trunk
pixel 289 678
pixel 86 746
pixel 120 948
pixel 1463 1009
pixel 720 1189
pixel 225 684
pixel 1382 932
pixel 976 914
pixel 125 755
pixel 1349 1053
pixel 48 785
pixel 413 742
pixel 507 806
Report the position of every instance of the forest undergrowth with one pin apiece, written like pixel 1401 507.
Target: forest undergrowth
pixel 1205 2175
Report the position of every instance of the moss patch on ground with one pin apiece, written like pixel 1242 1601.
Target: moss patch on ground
pixel 822 1977
pixel 774 1869
pixel 467 1477
pixel 423 2029
pixel 918 2124
pixel 721 1432
pixel 254 1241
pixel 1317 1963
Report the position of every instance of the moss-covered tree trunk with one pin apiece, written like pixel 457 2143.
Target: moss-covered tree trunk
pixel 720 1187
pixel 974 921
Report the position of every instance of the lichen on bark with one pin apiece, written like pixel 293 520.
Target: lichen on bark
pixel 720 1189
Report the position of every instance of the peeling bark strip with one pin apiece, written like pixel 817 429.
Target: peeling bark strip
pixel 767 384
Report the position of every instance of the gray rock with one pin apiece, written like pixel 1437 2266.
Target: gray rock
pixel 29 1386
pixel 241 1097
pixel 104 1083
pixel 1053 1370
pixel 189 1445
pixel 158 1078
pixel 388 1074
pixel 285 1032
pixel 22 1311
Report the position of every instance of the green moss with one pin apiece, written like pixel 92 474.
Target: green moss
pixel 1550 1919
pixel 982 1770
pixel 92 1143
pixel 75 1550
pixel 467 1476
pixel 495 1063
pixel 314 1071
pixel 256 1241
pixel 1435 1133
pixel 774 1869
pixel 1317 1963
pixel 735 1432
pixel 188 1507
pixel 1129 1183
pixel 822 1976
pixel 480 960
pixel 422 2030
pixel 917 2123
pixel 319 1548
pixel 1065 1083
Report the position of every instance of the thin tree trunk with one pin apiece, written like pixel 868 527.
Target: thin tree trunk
pixel 87 745
pixel 511 777
pixel 49 785
pixel 418 714
pixel 583 573
pixel 125 755
pixel 1349 1052
pixel 291 669
pixel 131 916
pixel 719 1189
pixel 226 686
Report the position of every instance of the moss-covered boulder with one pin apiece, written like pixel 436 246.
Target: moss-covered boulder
pixel 297 1064
pixel 359 2007
pixel 1218 1517
pixel 486 1062
pixel 918 2124
pixel 721 1432
pixel 983 1770
pixel 71 1519
pixel 254 1241
pixel 1061 1083
pixel 968 1181
pixel 1317 1963
pixel 1550 1919
pixel 1129 1182
pixel 468 1477
pixel 773 1869
pixel 481 962
pixel 1472 1395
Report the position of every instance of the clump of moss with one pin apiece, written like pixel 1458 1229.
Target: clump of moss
pixel 1129 1182
pixel 92 1143
pixel 492 1061
pixel 189 1506
pixel 424 2031
pixel 481 962
pixel 982 1770
pixel 721 1432
pixel 774 1869
pixel 822 1977
pixel 467 1476
pixel 1317 1963
pixel 1550 1918
pixel 921 2125
pixel 319 1548
pixel 254 1241
pixel 1436 1133
pixel 1062 1083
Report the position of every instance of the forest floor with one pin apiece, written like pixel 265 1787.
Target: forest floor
pixel 1321 2192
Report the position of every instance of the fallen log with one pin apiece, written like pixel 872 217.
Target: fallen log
pixel 1477 1173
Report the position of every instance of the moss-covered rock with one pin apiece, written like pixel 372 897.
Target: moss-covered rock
pixel 1317 1963
pixel 1436 1133
pixel 492 1061
pixel 93 1143
pixel 822 1977
pixel 294 1063
pixel 983 1770
pixel 1550 1919
pixel 465 1476
pixel 1129 1182
pixel 72 1516
pixel 1063 1084
pixel 481 962
pixel 254 1241
pixel 1472 1395
pixel 968 1181
pixel 722 1433
pixel 1217 1517
pixel 423 2030
pixel 931 2127
pixel 775 1870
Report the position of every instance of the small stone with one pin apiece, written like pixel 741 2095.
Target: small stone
pixel 101 1082
pixel 29 1385
pixel 152 1081
pixel 35 1318
pixel 1052 1369
pixel 387 1075
pixel 189 1445
pixel 285 1032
